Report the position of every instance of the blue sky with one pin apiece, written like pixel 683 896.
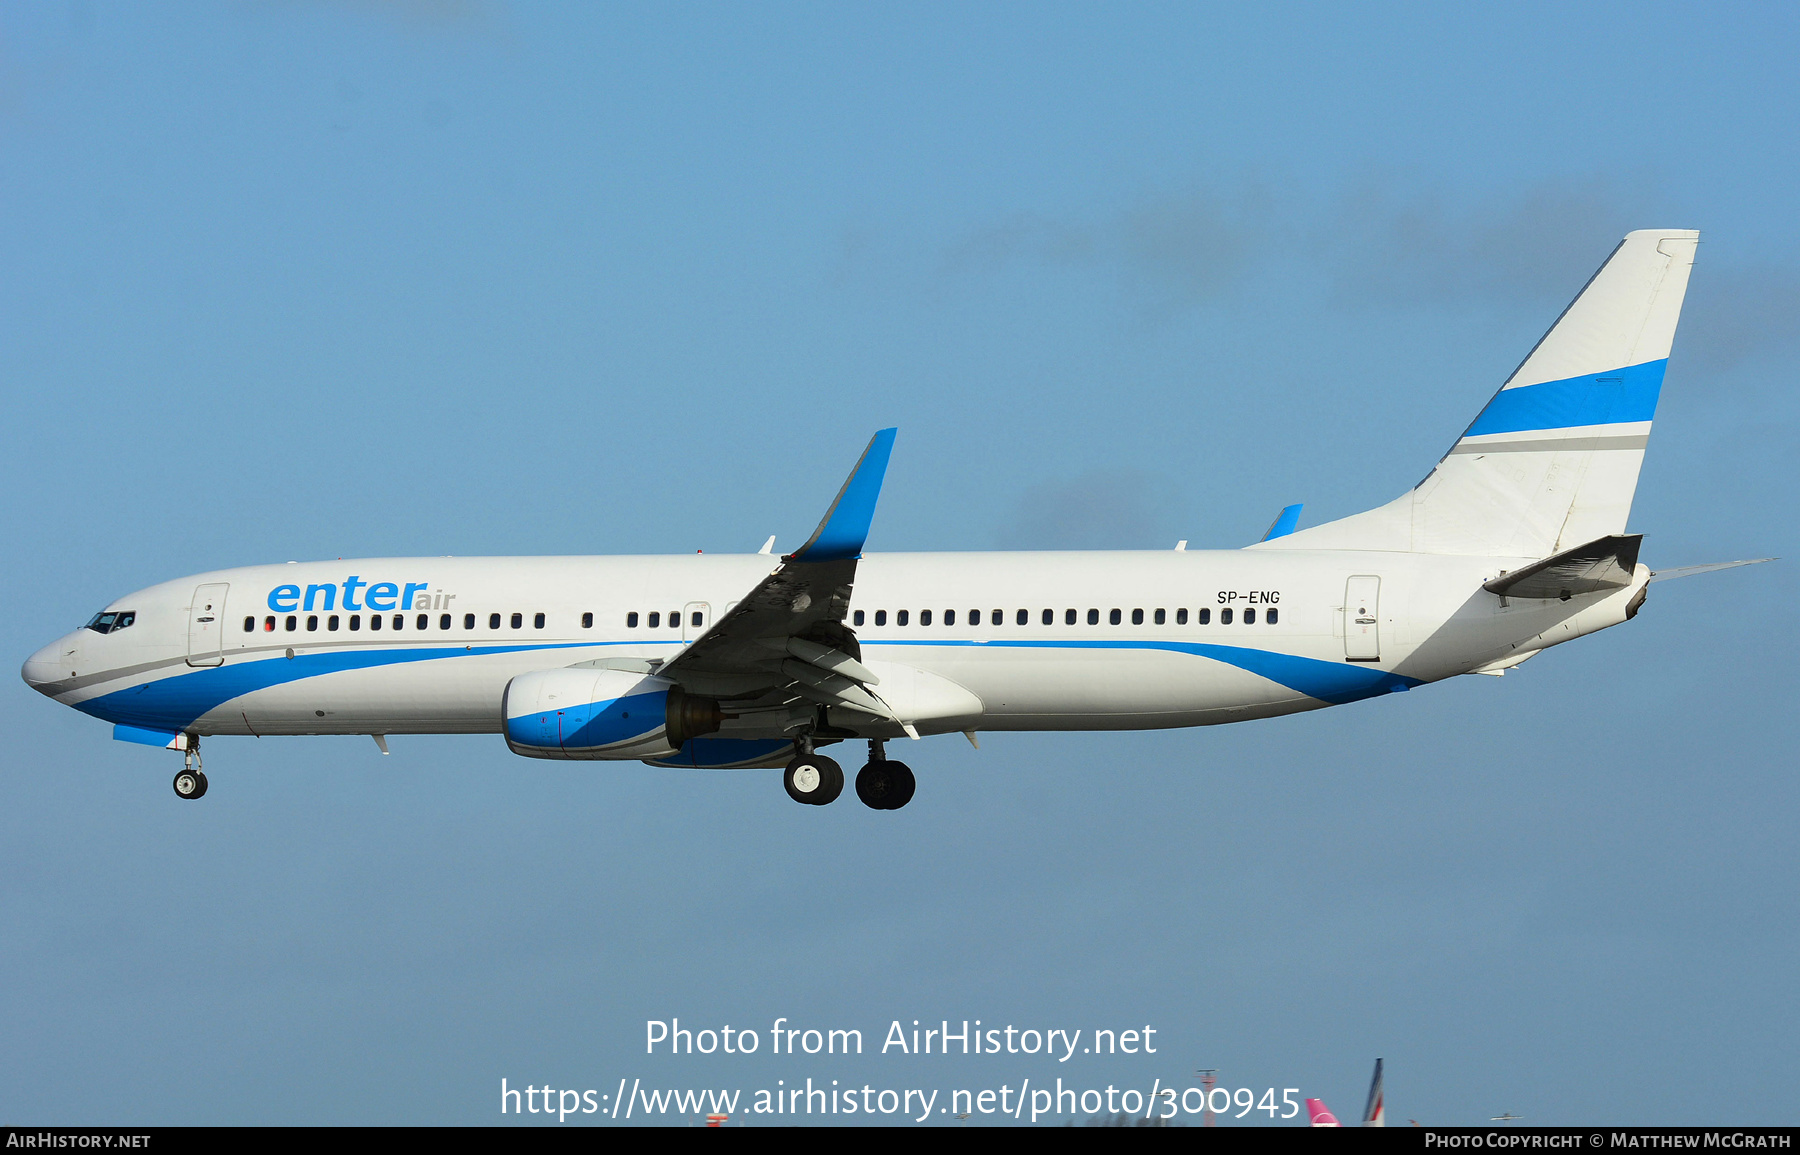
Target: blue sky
pixel 300 280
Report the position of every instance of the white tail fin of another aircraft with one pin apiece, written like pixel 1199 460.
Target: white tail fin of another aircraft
pixel 1375 1110
pixel 1552 461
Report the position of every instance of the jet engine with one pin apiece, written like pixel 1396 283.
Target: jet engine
pixel 602 714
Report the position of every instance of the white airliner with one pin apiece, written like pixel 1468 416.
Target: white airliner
pixel 1514 542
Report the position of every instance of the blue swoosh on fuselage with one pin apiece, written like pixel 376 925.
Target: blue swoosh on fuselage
pixel 174 703
pixel 1334 682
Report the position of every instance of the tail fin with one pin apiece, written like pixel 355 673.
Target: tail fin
pixel 1375 1110
pixel 1553 459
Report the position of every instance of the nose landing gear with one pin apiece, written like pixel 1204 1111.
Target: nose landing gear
pixel 884 784
pixel 191 782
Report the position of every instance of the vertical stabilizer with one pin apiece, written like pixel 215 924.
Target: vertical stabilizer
pixel 1553 459
pixel 1375 1110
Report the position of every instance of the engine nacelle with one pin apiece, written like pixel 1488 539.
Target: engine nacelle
pixel 601 714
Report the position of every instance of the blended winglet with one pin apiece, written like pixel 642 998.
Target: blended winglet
pixel 846 524
pixel 1285 522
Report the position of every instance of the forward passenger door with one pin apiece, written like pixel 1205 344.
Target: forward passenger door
pixel 206 625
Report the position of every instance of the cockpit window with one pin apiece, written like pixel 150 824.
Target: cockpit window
pixel 106 623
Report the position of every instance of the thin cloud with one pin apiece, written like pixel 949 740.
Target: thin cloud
pixel 1104 509
pixel 1382 244
pixel 1173 251
pixel 1380 248
pixel 1737 315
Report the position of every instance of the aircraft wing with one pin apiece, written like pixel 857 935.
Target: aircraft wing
pixel 788 634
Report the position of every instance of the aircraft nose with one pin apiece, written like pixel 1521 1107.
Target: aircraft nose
pixel 51 664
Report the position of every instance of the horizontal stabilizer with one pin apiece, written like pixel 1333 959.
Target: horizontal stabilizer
pixel 1663 575
pixel 1601 565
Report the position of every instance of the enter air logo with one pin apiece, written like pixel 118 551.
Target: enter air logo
pixel 357 595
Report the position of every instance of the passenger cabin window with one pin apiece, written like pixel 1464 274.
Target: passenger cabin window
pixel 654 622
pixel 1093 617
pixel 924 617
pixel 537 622
pixel 331 623
pixel 518 621
pixel 900 617
pixel 587 621
pixel 949 617
pixel 312 622
pixel 1162 617
pixel 469 621
pixel 269 624
pixel 356 621
pixel 1115 617
pixel 674 620
pixel 399 621
pixel 630 620
pixel 424 622
pixel 374 621
pixel 1137 617
pixel 1049 617
pixel 250 625
pixel 1273 616
pixel 1205 618
pixel 1180 617
pixel 975 617
pixel 1023 617
pixel 857 618
pixel 1068 617
pixel 696 618
pixel 292 622
pixel 881 617
pixel 1250 616
pixel 998 617
pixel 443 621
pixel 1225 616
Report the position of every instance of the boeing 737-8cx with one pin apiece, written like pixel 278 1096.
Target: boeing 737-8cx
pixel 1514 542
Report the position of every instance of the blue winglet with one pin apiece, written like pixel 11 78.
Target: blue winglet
pixel 1285 522
pixel 846 525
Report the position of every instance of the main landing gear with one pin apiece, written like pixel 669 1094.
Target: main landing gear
pixel 816 780
pixel 191 782
pixel 812 778
pixel 884 784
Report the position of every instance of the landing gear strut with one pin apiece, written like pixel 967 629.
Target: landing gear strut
pixel 191 782
pixel 884 784
pixel 812 778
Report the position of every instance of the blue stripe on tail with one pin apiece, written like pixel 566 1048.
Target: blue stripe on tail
pixel 1610 398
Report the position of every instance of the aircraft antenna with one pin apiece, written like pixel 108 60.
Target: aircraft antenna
pixel 1209 1078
